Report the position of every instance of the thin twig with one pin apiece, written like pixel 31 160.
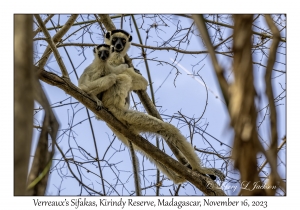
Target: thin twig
pixel 45 22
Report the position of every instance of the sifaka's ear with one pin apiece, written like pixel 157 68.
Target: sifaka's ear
pixel 107 35
pixel 130 38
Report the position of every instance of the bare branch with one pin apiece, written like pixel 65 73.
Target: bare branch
pixel 270 95
pixel 56 38
pixel 219 71
pixel 53 47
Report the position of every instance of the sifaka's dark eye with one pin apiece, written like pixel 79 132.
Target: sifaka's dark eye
pixel 124 41
pixel 114 39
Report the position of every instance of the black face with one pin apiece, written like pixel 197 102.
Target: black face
pixel 103 54
pixel 119 43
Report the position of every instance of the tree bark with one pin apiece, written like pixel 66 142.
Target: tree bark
pixel 23 101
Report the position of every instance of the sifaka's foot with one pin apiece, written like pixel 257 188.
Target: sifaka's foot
pixel 211 172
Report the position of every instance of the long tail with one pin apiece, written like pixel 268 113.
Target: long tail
pixel 141 122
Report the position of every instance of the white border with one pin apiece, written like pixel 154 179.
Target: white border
pixel 187 6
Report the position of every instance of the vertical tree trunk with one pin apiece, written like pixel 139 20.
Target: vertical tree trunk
pixel 23 99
